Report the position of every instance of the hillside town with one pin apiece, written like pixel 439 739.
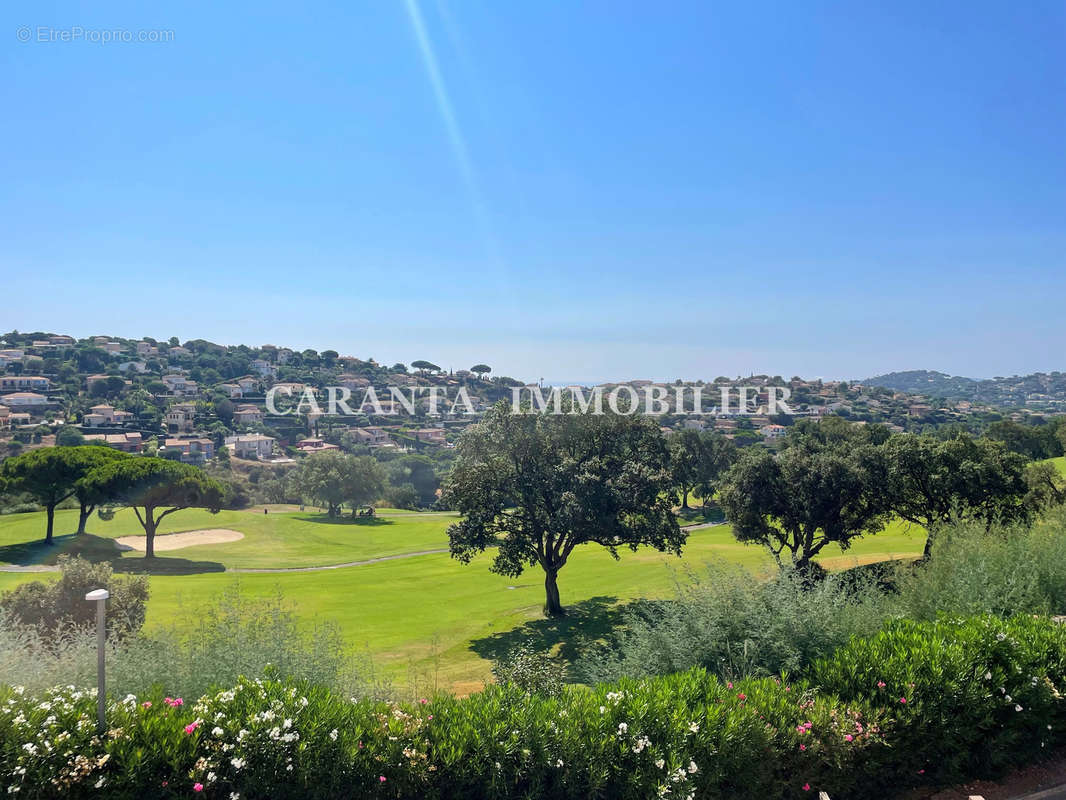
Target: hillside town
pixel 195 400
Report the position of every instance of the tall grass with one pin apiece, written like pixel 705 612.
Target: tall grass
pixel 733 624
pixel 234 635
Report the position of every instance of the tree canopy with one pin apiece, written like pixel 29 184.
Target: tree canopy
pixel 148 484
pixel 335 479
pixel 534 487
pixel 802 500
pixel 697 460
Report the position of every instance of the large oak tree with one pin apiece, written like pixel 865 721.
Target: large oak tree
pixel 535 487
pixel 803 499
pixel 931 481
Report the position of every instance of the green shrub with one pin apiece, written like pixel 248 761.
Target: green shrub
pixel 53 607
pixel 235 635
pixel 733 624
pixel 970 697
pixel 845 731
pixel 531 670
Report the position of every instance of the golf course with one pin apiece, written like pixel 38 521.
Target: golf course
pixel 402 599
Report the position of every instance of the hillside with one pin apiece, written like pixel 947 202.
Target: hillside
pixel 1040 390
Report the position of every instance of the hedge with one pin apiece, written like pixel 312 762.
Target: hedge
pixel 918 703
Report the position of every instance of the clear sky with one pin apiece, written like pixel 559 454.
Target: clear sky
pixel 567 190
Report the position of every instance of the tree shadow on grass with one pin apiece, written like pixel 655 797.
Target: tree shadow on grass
pixel 100 549
pixel 326 519
pixel 584 625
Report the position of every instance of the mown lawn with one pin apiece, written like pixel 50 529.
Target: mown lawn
pixel 429 614
pixel 293 539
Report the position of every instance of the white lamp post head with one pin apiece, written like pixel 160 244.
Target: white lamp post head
pixel 98 594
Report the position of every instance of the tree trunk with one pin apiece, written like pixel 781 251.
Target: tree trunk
pixel 928 546
pixel 51 523
pixel 83 516
pixel 684 499
pixel 552 606
pixel 149 534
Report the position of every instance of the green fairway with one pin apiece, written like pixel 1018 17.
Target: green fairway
pixel 1060 464
pixel 293 539
pixel 429 613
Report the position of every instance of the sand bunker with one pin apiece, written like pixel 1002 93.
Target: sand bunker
pixel 175 541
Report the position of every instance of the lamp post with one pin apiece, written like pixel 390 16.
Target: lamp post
pixel 100 596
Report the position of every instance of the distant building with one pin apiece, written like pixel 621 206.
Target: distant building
pixel 126 442
pixel 247 415
pixel 193 451
pixel 263 368
pixel 372 436
pixel 23 399
pixel 101 415
pixel 773 431
pixel 251 445
pixel 180 417
pixel 10 383
pixel 429 435
pixel 180 385
pixel 313 445
pixel 232 390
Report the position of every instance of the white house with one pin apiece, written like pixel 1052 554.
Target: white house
pixel 105 415
pixel 773 431
pixel 180 417
pixel 263 368
pixel 23 400
pixel 251 445
pixel 179 384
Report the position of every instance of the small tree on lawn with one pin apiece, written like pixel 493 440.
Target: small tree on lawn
pixel 148 485
pixel 534 487
pixel 802 500
pixel 697 460
pixel 334 478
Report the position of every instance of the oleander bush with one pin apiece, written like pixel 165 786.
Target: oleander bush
pixel 917 702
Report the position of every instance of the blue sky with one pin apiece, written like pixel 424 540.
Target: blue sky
pixel 566 190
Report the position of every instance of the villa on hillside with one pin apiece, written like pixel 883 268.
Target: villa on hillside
pixel 251 445
pixel 429 435
pixel 126 442
pixel 193 451
pixel 247 415
pixel 180 385
pixel 313 445
pixel 372 436
pixel 24 399
pixel 14 383
pixel 773 431
pixel 105 415
pixel 232 390
pixel 180 417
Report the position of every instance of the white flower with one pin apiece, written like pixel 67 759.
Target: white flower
pixel 988 676
pixel 559 763
pixel 101 781
pixel 603 709
pixel 333 734
pixel 1017 708
pixel 659 763
pixel 217 731
pixel 622 727
pixel 692 768
pixel 238 763
pixel 234 796
pixel 694 727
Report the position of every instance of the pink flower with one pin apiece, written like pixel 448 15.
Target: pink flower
pixel 729 684
pixel 430 717
pixel 197 787
pixel 881 684
pixel 903 700
pixel 848 738
pixel 423 701
pixel 742 696
pixel 921 772
pixel 360 745
pixel 803 747
pixel 381 778
pixel 806 787
pixel 191 727
pixel 146 704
